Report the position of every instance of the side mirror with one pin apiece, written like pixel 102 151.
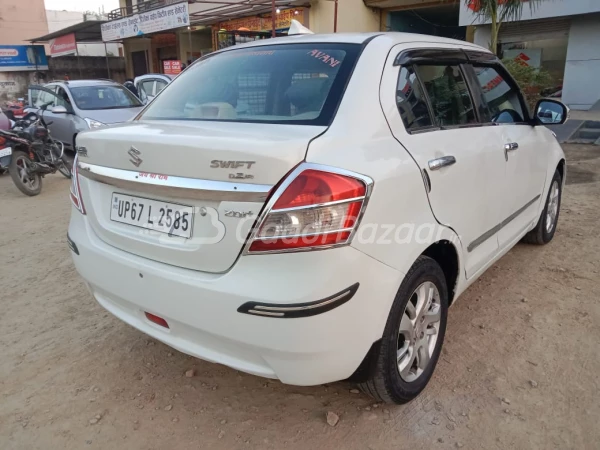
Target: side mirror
pixel 60 110
pixel 551 112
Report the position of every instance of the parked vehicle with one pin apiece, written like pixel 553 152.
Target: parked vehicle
pixel 320 231
pixel 150 85
pixel 29 152
pixel 4 121
pixel 76 106
pixel 5 124
pixel 15 109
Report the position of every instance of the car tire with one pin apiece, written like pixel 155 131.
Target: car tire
pixel 393 378
pixel 546 226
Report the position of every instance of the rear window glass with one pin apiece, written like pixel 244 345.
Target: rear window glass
pixel 104 97
pixel 295 83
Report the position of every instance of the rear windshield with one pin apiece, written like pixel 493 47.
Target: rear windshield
pixel 104 97
pixel 290 83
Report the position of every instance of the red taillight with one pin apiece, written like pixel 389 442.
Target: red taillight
pixel 76 198
pixel 2 142
pixel 312 187
pixel 156 319
pixel 318 208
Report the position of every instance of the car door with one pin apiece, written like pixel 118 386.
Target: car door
pixel 45 99
pixel 64 127
pixel 431 112
pixel 526 164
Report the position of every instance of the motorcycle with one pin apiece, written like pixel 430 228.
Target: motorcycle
pixel 29 153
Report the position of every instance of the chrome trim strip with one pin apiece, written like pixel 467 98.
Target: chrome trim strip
pixel 264 313
pixel 302 308
pixel 173 186
pixel 298 310
pixel 320 205
pixel 488 234
pixel 292 236
pixel 283 186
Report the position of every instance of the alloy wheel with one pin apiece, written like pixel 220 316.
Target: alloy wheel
pixel 418 332
pixel 552 208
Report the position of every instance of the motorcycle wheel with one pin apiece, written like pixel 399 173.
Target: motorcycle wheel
pixel 28 183
pixel 65 166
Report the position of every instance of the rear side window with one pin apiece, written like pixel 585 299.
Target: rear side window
pixel 502 101
pixel 289 83
pixel 412 105
pixel 448 94
pixel 147 87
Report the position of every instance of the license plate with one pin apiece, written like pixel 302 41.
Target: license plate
pixel 5 152
pixel 169 218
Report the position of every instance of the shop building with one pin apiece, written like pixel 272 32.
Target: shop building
pixel 200 26
pixel 434 17
pixel 559 36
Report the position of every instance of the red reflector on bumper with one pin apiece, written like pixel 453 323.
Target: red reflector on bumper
pixel 157 320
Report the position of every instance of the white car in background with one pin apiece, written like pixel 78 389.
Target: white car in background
pixel 308 208
pixel 150 85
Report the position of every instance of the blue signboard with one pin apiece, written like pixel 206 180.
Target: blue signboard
pixel 22 57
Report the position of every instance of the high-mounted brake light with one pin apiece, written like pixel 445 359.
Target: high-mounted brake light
pixel 76 198
pixel 315 207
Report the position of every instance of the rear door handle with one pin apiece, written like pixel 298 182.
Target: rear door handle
pixel 511 146
pixel 444 161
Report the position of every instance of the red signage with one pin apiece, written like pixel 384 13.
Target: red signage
pixel 172 67
pixel 63 45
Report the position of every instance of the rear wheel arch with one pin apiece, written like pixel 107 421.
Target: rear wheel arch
pixel 446 255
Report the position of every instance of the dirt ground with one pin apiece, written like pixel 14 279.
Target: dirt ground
pixel 519 368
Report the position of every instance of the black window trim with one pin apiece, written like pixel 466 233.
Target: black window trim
pixel 446 55
pixel 466 60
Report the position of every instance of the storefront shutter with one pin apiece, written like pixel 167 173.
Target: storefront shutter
pixel 531 30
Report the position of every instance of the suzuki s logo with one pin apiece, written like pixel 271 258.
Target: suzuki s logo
pixel 135 156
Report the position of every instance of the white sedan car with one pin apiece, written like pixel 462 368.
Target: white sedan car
pixel 307 208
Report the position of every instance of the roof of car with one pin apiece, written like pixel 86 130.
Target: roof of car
pixel 154 75
pixel 359 38
pixel 83 83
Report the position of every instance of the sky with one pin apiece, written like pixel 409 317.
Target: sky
pixel 82 5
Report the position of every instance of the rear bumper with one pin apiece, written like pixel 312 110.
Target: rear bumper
pixel 202 309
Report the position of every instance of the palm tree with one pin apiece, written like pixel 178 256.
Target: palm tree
pixel 497 12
